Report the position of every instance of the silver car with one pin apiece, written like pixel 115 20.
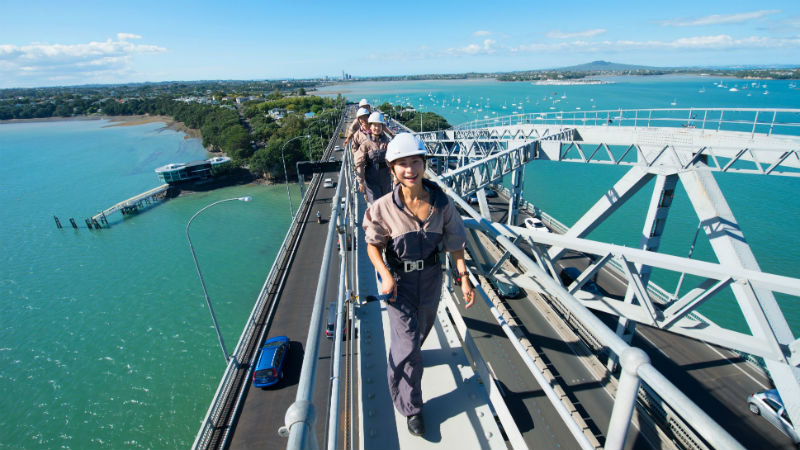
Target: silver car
pixel 768 404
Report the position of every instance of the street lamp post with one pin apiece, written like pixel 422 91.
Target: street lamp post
pixel 200 274
pixel 285 176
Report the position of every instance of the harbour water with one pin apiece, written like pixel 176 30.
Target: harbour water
pixel 105 339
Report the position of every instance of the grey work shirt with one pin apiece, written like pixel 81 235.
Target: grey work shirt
pixel 388 222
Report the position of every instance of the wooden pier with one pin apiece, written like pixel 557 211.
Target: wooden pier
pixel 131 205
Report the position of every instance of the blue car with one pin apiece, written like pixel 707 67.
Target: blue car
pixel 269 367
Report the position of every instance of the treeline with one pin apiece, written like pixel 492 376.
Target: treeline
pixel 237 123
pixel 416 120
pixel 272 136
pixel 763 74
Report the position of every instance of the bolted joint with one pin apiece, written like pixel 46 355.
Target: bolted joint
pixel 632 358
pixel 301 411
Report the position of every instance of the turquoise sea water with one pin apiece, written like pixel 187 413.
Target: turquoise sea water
pixel 105 339
pixel 766 208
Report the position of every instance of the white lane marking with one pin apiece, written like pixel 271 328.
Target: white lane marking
pixel 715 351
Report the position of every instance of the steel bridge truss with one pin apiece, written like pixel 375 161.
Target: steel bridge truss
pixel 669 156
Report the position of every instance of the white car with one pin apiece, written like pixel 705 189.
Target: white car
pixel 337 148
pixel 768 404
pixel 327 182
pixel 533 223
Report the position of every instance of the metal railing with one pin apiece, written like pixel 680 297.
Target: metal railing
pixel 764 121
pixel 257 323
pixel 635 363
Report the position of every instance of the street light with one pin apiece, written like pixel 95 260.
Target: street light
pixel 200 274
pixel 285 176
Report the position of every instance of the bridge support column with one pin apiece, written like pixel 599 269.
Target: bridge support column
pixel 654 226
pixel 517 182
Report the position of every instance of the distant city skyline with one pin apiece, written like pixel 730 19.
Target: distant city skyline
pixel 49 43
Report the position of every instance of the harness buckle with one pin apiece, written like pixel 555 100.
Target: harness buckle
pixel 411 266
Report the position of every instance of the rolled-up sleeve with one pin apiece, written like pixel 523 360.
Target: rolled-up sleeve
pixel 454 234
pixel 375 232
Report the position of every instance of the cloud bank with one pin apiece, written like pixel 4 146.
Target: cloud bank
pixel 85 62
pixel 718 19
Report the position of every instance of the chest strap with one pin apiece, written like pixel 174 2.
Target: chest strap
pixel 397 265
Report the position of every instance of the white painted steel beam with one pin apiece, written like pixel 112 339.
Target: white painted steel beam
pixel 705 426
pixel 611 201
pixel 758 304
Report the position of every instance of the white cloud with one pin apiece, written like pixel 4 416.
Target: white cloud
pixel 580 34
pixel 475 49
pixel 127 36
pixel 482 33
pixel 718 42
pixel 717 19
pixel 92 61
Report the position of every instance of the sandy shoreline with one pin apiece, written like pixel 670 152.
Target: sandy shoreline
pixel 121 121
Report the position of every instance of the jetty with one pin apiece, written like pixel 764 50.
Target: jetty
pixel 131 205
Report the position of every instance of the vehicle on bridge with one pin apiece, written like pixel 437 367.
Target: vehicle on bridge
pixel 506 290
pixel 570 274
pixel 473 198
pixel 330 326
pixel 534 223
pixel 269 368
pixel 768 404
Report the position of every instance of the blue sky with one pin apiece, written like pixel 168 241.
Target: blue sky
pixel 46 43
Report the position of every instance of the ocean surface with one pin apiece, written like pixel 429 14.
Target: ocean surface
pixel 105 338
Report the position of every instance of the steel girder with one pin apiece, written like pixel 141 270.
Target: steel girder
pixel 693 165
pixel 591 153
pixel 477 175
pixel 760 309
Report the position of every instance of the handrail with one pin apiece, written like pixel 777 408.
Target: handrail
pixel 762 121
pixel 300 417
pixel 285 253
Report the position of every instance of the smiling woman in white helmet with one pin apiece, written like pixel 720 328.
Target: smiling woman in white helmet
pixel 374 179
pixel 409 228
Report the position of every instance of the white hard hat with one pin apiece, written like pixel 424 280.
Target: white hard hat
pixel 363 103
pixel 375 117
pixel 362 112
pixel 405 144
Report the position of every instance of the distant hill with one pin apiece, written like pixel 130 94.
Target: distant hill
pixel 604 66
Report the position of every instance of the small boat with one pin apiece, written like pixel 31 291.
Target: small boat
pixel 733 90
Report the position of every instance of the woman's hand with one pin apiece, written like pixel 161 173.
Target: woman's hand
pixel 468 291
pixel 389 286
